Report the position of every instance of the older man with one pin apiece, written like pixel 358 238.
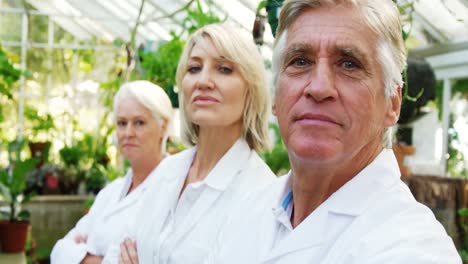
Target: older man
pixel 338 67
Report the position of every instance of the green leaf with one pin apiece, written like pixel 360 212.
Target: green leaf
pixel 261 5
pixel 20 171
pixel 463 212
pixel 24 215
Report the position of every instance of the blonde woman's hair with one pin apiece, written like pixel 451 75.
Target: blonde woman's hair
pixel 238 48
pixel 381 16
pixel 151 96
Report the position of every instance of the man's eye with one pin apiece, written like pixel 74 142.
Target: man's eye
pixel 194 69
pixel 225 70
pixel 300 62
pixel 350 65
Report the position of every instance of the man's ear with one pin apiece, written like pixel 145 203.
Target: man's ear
pixel 164 127
pixel 393 109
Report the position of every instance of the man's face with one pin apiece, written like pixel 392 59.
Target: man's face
pixel 330 101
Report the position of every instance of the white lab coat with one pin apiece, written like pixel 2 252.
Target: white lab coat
pixel 239 172
pixel 373 218
pixel 104 223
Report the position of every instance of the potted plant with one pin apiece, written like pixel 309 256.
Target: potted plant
pixel 420 89
pixel 38 134
pixel 73 158
pixel 13 229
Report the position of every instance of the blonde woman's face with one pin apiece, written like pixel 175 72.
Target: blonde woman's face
pixel 214 90
pixel 138 133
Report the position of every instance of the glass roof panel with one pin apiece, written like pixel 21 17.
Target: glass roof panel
pixel 62 9
pixel 446 21
pixel 434 21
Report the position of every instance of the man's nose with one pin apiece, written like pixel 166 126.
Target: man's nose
pixel 322 83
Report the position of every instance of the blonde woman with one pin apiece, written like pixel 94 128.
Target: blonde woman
pixel 143 113
pixel 224 108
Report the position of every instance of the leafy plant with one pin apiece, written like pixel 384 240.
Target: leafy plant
pixel 13 185
pixel 88 203
pixel 277 159
pixel 8 74
pixel 95 178
pixel 197 18
pixel 160 65
pixel 40 124
pixel 463 214
pixel 71 155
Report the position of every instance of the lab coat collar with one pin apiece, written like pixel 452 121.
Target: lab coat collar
pixel 356 195
pixel 351 199
pixel 174 172
pixel 234 160
pixel 127 183
pixel 279 211
pixel 310 233
pixel 125 199
pixel 218 179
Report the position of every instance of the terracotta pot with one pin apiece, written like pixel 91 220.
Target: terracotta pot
pixel 40 151
pixel 13 236
pixel 401 151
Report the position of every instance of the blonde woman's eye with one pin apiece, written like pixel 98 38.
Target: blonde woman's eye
pixel 225 70
pixel 121 123
pixel 194 69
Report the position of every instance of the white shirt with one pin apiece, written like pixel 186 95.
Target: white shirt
pixel 104 223
pixel 373 218
pixel 172 230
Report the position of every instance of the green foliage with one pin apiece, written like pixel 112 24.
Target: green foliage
pixel 39 123
pixel 88 203
pixel 13 185
pixel 160 66
pixel 463 215
pixel 456 159
pixel 174 146
pixel 71 155
pixel 277 159
pixel 8 74
pixel 86 160
pixel 95 178
pixel 460 87
pixel 197 18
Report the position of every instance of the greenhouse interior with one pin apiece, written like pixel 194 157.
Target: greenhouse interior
pixel 62 62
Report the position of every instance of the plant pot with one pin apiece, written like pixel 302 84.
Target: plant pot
pixel 13 236
pixel 40 151
pixel 401 151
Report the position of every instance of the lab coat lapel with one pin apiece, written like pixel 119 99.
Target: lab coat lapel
pixel 160 200
pixel 309 234
pixel 218 181
pixel 116 205
pixel 378 176
pixel 163 198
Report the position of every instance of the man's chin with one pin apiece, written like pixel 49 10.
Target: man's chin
pixel 314 153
